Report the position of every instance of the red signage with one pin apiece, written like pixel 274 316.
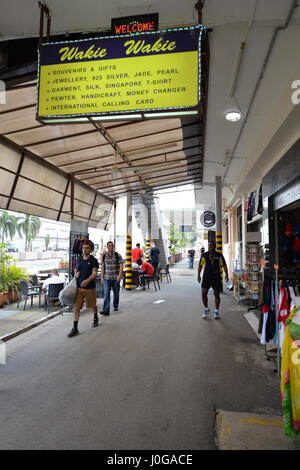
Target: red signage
pixel 134 24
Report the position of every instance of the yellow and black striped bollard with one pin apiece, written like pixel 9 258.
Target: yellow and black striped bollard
pixel 147 249
pixel 128 264
pixel 219 247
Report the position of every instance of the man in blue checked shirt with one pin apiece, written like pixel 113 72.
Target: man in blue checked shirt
pixel 111 274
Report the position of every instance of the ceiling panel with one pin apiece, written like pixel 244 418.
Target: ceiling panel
pixel 49 132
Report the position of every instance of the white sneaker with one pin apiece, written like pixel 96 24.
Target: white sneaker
pixel 205 314
pixel 139 288
pixel 216 316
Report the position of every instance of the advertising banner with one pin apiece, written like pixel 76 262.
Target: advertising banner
pixel 114 75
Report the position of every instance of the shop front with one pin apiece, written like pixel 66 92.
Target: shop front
pixel 281 214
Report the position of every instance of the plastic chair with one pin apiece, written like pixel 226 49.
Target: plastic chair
pixel 52 294
pixel 27 292
pixel 166 272
pixel 154 279
pixel 34 281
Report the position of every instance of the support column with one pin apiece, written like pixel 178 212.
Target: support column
pixel 128 264
pixel 218 200
pixel 149 228
pixel 115 221
pixel 147 249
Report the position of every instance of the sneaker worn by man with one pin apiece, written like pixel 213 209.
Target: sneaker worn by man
pixel 104 313
pixel 206 312
pixel 216 315
pixel 116 309
pixel 73 332
pixel 140 288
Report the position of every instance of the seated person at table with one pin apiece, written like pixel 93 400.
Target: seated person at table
pixel 55 278
pixel 147 271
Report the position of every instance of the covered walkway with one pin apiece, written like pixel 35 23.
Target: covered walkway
pixel 151 376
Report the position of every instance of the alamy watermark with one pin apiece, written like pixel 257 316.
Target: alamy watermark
pixel 296 94
pixel 2 92
pixel 2 352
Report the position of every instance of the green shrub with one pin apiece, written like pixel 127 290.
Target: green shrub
pixel 10 275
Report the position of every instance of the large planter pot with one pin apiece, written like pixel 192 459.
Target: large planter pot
pixel 3 298
pixel 12 296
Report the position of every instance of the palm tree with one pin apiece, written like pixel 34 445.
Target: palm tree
pixel 47 241
pixel 30 226
pixel 8 225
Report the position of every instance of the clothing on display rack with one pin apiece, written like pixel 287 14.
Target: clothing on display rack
pixel 267 326
pixel 75 249
pixel 254 204
pixel 290 376
pixel 272 323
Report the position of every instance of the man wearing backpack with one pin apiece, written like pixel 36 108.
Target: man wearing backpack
pixel 111 275
pixel 85 272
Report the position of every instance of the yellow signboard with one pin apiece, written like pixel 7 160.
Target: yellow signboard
pixel 117 75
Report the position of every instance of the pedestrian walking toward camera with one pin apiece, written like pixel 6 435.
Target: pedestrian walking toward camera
pixel 191 255
pixel 213 263
pixel 111 275
pixel 85 272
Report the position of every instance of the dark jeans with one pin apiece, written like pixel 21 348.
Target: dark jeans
pixel 155 264
pixel 142 278
pixel 115 285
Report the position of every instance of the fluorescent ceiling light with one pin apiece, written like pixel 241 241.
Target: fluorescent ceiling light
pixel 63 120
pixel 117 117
pixel 233 116
pixel 170 114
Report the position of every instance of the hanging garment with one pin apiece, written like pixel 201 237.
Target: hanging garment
pixel 260 201
pixel 291 298
pixel 271 319
pixel 250 208
pixel 283 310
pixel 290 377
pixel 265 311
pixel 256 201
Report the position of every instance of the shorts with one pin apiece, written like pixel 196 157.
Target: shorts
pixel 85 294
pixel 216 284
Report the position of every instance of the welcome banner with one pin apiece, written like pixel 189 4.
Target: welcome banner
pixel 124 74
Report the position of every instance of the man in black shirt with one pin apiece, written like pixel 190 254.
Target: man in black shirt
pixel 213 263
pixel 191 255
pixel 154 255
pixel 85 273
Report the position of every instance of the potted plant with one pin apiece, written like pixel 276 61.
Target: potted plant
pixel 15 275
pixel 10 276
pixel 3 293
pixel 5 259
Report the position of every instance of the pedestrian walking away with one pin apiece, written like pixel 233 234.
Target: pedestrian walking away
pixel 85 272
pixel 191 255
pixel 154 255
pixel 111 274
pixel 213 263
